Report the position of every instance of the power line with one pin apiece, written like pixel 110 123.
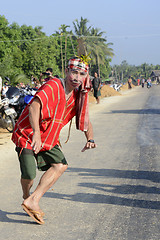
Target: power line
pixel 37 39
pixel 83 36
pixel 136 36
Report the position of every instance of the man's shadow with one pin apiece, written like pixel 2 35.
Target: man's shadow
pixel 105 199
pixel 115 189
pixel 7 217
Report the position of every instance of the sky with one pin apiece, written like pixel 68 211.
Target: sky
pixel 133 26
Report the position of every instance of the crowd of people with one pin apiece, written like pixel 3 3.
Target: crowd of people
pixel 141 82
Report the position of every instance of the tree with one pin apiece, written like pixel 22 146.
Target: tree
pixel 90 40
pixel 81 33
pixel 99 48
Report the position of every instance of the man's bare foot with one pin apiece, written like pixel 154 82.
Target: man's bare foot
pixel 35 215
pixel 30 204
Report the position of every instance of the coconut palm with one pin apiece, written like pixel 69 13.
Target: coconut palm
pixel 82 32
pixel 90 40
pixel 98 46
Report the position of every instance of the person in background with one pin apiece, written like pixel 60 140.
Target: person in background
pixel 48 73
pixel 36 82
pixel 143 82
pixel 129 82
pixel 149 82
pixel 96 83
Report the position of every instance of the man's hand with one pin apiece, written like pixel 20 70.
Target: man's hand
pixel 36 142
pixel 89 145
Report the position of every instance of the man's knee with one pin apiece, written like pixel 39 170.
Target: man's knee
pixel 59 167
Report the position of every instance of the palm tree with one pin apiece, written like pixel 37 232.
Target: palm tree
pixel 98 46
pixel 62 32
pixel 81 31
pixel 91 40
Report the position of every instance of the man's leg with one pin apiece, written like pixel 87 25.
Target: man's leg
pixel 46 181
pixel 26 186
pixel 28 171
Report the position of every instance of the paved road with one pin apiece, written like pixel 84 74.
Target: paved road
pixel 110 193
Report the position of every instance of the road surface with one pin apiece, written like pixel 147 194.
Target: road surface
pixel 109 193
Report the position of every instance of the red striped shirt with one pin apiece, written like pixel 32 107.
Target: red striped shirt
pixel 55 113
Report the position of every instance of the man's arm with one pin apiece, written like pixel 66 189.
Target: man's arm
pixel 34 116
pixel 89 135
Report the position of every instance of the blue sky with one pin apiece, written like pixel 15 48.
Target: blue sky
pixel 133 26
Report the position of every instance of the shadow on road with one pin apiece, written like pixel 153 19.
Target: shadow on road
pixel 116 173
pixel 7 217
pixel 136 111
pixel 114 189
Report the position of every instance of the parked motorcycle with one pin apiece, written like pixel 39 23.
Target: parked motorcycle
pixel 16 99
pixel 7 115
pixel 19 98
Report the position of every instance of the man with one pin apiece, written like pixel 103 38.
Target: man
pixel 37 131
pixel 48 73
pixel 96 83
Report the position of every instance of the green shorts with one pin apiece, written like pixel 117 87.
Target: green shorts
pixel 44 159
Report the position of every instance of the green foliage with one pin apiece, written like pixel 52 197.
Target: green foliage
pixel 126 70
pixel 27 51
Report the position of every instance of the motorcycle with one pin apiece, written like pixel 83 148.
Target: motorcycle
pixel 19 98
pixel 16 99
pixel 7 115
pixel 149 85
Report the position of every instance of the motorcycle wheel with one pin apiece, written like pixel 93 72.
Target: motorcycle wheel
pixel 11 124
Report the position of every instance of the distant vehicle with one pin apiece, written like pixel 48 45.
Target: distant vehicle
pixel 149 84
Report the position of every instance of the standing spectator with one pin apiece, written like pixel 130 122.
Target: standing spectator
pixel 138 81
pixel 143 82
pixel 129 82
pixel 96 83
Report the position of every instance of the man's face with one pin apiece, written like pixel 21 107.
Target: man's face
pixel 75 78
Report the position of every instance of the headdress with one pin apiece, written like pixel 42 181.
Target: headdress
pixel 80 63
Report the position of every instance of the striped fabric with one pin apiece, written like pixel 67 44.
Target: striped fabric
pixel 82 105
pixel 55 113
pixel 53 103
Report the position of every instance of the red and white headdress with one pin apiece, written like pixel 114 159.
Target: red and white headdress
pixel 78 63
